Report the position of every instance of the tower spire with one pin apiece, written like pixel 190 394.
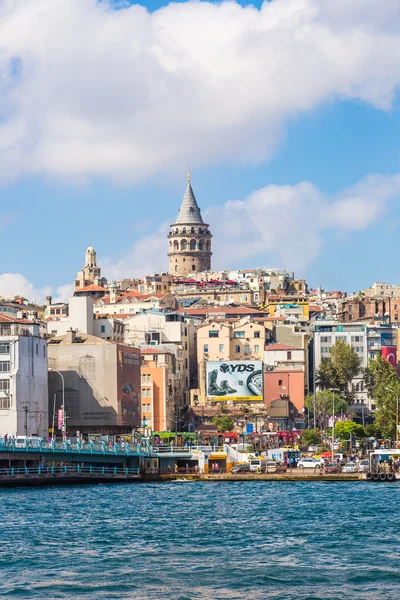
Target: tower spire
pixel 188 174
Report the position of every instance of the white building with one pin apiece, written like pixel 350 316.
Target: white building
pixel 82 319
pixel 327 333
pixel 23 378
pixel 281 356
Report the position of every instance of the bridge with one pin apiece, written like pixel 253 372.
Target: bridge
pixel 16 476
pixel 66 447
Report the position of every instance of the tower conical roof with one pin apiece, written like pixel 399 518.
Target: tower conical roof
pixel 189 212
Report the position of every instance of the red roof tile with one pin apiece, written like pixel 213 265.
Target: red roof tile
pixel 273 347
pixel 91 288
pixel 8 319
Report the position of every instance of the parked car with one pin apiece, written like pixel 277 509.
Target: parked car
pixel 332 468
pixel 349 468
pixel 309 463
pixel 363 466
pixel 270 467
pixel 243 468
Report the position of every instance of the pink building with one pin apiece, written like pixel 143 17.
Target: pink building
pixel 287 383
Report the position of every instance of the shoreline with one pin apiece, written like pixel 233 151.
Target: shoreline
pixel 44 481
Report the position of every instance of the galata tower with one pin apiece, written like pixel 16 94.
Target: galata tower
pixel 189 239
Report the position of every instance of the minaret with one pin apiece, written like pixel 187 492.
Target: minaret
pixel 189 238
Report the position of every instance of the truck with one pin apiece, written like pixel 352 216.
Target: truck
pixel 283 455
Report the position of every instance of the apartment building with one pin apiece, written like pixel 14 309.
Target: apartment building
pixel 23 378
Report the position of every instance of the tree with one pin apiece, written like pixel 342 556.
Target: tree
pixel 311 437
pixel 224 423
pixel 383 385
pixel 343 430
pixel 324 405
pixel 339 370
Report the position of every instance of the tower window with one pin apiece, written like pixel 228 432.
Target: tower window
pixel 192 230
pixel 192 245
pixel 193 267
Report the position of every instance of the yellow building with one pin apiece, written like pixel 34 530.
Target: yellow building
pixel 227 340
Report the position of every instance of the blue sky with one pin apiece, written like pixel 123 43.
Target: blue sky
pixel 94 147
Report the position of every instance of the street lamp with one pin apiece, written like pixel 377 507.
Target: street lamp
pixel 333 390
pixel 63 400
pixel 397 414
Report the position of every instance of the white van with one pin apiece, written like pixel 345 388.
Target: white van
pixel 257 464
pixel 22 440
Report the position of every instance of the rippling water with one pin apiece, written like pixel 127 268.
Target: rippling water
pixel 208 541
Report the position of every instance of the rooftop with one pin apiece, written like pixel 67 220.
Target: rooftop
pixel 274 347
pixel 189 212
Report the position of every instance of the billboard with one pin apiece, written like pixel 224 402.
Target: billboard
pixel 128 386
pixel 235 380
pixel 389 353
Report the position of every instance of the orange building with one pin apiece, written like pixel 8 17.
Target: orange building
pixel 157 389
pixel 284 383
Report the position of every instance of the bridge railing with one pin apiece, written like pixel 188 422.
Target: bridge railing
pixel 32 445
pixel 67 470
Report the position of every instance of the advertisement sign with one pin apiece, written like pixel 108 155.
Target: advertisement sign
pixel 389 353
pixel 60 419
pixel 129 386
pixel 235 380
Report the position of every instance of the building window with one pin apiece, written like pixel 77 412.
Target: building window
pixel 247 349
pixel 103 329
pixel 5 403
pixel 355 338
pixel 4 347
pixel 4 385
pixel 238 334
pixel 131 310
pixel 237 349
pixel 325 339
pixel 256 334
pixel 4 366
pixel 213 333
pixel 37 348
pixel 205 348
pixel 256 348
pixel 396 317
pixel 121 311
pixel 245 298
pixel 44 351
pixel 221 347
pixel 143 393
pixel 289 356
pixel 279 381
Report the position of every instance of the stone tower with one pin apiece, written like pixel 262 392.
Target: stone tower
pixel 189 239
pixel 90 273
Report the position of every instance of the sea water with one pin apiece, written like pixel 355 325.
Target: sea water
pixel 201 540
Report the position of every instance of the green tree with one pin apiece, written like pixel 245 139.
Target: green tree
pixel 339 370
pixel 383 385
pixel 224 423
pixel 324 405
pixel 311 437
pixel 372 430
pixel 343 430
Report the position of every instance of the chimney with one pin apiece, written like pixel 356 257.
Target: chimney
pixel 48 300
pixel 71 335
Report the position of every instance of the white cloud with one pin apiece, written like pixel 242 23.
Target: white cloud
pixel 88 90
pixel 16 284
pixel 148 255
pixel 288 223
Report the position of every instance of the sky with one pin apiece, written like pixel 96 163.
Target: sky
pixel 287 112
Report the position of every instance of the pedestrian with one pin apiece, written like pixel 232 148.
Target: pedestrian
pixel 176 469
pixel 169 470
pixel 187 468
